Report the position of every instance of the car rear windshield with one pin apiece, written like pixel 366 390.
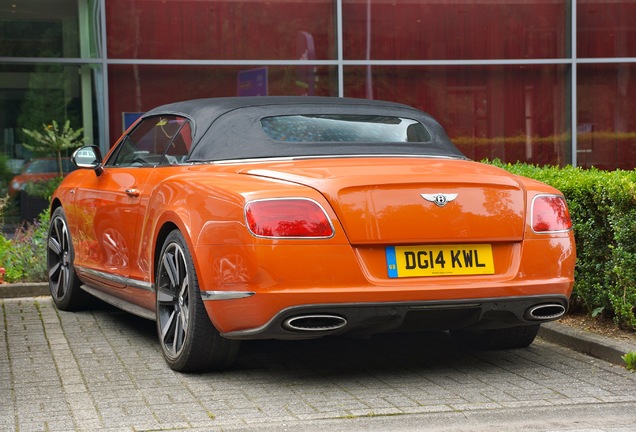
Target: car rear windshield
pixel 344 128
pixel 321 130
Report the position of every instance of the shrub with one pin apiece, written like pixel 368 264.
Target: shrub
pixel 43 188
pixel 23 256
pixel 603 209
pixel 53 139
pixel 5 173
pixel 630 361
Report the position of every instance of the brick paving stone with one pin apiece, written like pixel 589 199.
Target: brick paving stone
pixel 433 408
pixel 103 370
pixel 523 403
pixel 376 412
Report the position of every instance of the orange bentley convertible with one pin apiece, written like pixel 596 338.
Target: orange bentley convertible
pixel 300 217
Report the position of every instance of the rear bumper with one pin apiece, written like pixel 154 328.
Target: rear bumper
pixel 314 321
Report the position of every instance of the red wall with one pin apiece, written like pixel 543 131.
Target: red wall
pixel 509 112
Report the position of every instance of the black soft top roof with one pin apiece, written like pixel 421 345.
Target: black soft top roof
pixel 230 128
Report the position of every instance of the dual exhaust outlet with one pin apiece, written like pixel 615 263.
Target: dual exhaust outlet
pixel 545 312
pixel 330 323
pixel 315 323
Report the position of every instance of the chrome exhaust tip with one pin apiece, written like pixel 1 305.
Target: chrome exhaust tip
pixel 546 312
pixel 314 323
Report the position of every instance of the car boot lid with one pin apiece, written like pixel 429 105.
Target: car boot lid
pixel 406 199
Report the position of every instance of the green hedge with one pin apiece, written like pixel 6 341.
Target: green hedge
pixel 603 209
pixel 23 255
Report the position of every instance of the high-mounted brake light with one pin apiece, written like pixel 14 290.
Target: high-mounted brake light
pixel 287 217
pixel 550 214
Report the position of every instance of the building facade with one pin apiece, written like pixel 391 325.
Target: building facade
pixel 538 81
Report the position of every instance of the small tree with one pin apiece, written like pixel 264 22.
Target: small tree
pixel 55 140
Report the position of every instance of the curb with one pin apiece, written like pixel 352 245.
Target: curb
pixel 600 347
pixel 594 345
pixel 28 289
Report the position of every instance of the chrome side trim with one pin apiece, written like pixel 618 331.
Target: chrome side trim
pixel 225 295
pixel 295 158
pixel 134 283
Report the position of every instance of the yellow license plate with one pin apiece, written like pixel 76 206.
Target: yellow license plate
pixel 439 260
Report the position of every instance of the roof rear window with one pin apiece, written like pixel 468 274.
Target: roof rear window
pixel 344 128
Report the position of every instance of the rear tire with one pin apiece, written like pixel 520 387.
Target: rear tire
pixel 189 341
pixel 63 282
pixel 494 339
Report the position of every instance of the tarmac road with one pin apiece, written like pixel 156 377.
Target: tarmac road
pixel 103 370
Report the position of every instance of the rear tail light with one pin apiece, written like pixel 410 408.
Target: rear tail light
pixel 287 218
pixel 550 214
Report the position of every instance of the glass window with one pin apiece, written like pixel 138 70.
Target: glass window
pixel 344 128
pixel 139 88
pixel 321 130
pixel 606 28
pixel 221 29
pixel 606 116
pixel 514 113
pixel 32 96
pixel 179 147
pixel 148 142
pixel 51 28
pixel 423 29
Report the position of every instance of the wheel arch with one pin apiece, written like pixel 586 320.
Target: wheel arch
pixel 55 203
pixel 170 222
pixel 160 239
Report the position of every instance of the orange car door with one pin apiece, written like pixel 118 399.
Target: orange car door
pixel 112 204
pixel 110 207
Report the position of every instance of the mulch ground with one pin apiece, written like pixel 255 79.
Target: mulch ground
pixel 599 325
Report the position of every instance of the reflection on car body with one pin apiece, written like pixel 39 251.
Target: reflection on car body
pixel 40 169
pixel 301 217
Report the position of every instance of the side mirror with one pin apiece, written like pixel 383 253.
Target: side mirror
pixel 88 157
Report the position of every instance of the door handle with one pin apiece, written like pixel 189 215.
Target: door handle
pixel 132 192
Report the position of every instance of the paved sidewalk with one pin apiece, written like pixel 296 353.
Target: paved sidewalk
pixel 600 347
pixel 103 370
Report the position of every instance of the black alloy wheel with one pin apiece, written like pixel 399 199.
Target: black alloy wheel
pixel 63 282
pixel 189 341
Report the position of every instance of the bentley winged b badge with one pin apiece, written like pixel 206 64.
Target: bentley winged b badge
pixel 439 199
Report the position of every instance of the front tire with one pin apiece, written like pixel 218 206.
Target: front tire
pixel 502 338
pixel 63 282
pixel 189 341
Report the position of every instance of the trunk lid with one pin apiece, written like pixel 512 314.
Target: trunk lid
pixel 413 201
